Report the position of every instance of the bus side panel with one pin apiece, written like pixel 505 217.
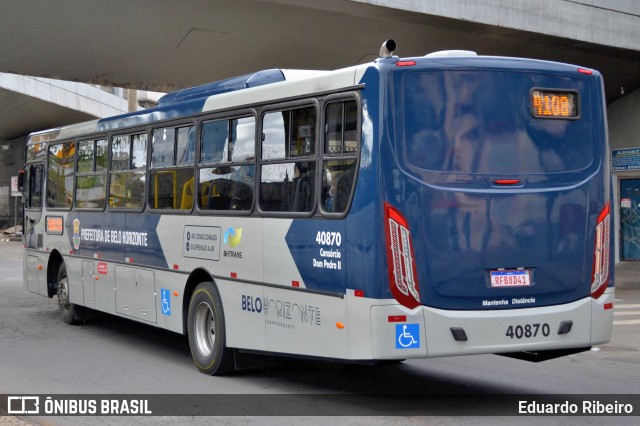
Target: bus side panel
pixel 169 298
pixel 359 327
pixel 35 274
pixel 105 286
pixel 602 317
pixel 319 250
pixel 244 314
pixel 393 339
pixel 136 293
pixel 284 321
pixel 278 256
pixel 35 263
pixel 365 242
pixel 89 283
pixel 305 324
pixel 223 246
pixel 74 278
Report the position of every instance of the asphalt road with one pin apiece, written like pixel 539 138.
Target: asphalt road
pixel 39 354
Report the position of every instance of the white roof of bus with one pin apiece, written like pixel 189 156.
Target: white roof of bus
pixel 297 83
pixel 303 82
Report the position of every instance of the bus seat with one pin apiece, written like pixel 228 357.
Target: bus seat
pixel 303 198
pixel 219 195
pixel 164 186
pixel 204 194
pixel 186 202
pixel 344 183
pixel 241 196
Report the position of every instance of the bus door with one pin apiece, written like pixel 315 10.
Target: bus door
pixel 630 218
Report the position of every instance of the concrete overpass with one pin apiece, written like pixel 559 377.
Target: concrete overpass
pixel 166 44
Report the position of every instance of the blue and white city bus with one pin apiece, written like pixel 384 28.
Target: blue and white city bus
pixel 417 207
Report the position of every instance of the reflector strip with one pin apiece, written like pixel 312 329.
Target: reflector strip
pixel 600 277
pixel 400 259
pixel 506 181
pixel 405 63
pixel 397 318
pixel 408 263
pixel 295 283
pixel 608 306
pixel 234 275
pixel 397 257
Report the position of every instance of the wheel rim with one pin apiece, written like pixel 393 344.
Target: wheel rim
pixel 205 325
pixel 63 294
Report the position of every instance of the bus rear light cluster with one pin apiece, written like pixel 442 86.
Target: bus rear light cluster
pixel 403 278
pixel 600 276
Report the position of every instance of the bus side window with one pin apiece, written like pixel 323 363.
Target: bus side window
pixel 172 160
pixel 60 173
pixel 186 146
pixel 288 186
pixel 340 155
pixel 34 197
pixel 228 154
pixel 128 170
pixel 91 184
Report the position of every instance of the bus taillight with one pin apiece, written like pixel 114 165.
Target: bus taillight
pixel 600 276
pixel 403 278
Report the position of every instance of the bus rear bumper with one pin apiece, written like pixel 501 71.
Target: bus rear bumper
pixel 399 333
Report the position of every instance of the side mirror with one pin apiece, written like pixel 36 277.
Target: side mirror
pixel 21 174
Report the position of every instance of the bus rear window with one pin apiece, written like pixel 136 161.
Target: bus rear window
pixel 481 122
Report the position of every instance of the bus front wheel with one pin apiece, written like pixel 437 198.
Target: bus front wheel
pixel 69 312
pixel 206 328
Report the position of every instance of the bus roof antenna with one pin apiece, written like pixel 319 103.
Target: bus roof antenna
pixel 387 48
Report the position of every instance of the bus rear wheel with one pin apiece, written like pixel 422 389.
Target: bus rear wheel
pixel 69 312
pixel 206 328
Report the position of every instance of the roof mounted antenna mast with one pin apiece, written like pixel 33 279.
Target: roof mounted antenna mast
pixel 387 48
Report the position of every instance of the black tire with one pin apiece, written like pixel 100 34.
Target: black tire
pixel 206 328
pixel 71 314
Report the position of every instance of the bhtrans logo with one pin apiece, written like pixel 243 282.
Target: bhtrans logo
pixel 232 238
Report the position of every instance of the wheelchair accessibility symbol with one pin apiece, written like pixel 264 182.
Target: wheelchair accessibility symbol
pixel 407 336
pixel 165 301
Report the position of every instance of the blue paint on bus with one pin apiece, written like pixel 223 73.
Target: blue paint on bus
pixel 117 236
pixel 459 127
pixel 435 151
pixel 186 102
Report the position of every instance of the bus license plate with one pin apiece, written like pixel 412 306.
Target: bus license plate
pixel 510 278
